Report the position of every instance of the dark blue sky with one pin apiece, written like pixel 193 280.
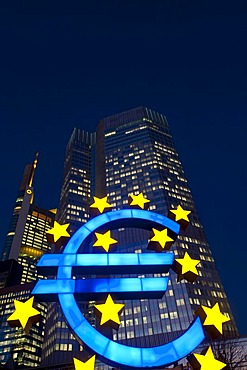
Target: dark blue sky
pixel 66 64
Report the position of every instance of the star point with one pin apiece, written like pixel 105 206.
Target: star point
pixel 88 365
pixel 104 240
pixel 100 204
pixel 24 315
pixel 110 312
pixel 213 319
pixel 160 240
pixel 57 233
pixel 180 215
pixel 138 200
pixel 186 268
pixel 206 361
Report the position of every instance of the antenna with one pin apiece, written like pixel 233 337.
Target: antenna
pixel 33 169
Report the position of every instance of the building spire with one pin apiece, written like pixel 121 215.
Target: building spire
pixel 33 169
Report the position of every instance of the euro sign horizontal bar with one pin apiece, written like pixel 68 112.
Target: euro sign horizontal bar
pixel 87 289
pixel 112 263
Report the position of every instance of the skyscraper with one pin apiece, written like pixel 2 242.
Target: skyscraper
pixel 26 239
pixel 26 242
pixel 134 153
pixel 24 349
pixel 59 344
pixel 77 179
pixel 20 212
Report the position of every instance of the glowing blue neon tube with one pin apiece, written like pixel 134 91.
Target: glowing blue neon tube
pixel 124 288
pixel 115 263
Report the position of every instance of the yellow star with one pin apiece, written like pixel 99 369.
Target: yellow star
pixel 160 240
pixel 24 315
pixel 207 361
pixel 88 365
pixel 180 215
pixel 138 200
pixel 58 231
pixel 110 311
pixel 100 204
pixel 186 267
pixel 104 240
pixel 213 319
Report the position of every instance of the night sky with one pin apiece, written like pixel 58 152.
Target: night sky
pixel 70 63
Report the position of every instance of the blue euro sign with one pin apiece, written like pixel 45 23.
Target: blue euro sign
pixel 67 289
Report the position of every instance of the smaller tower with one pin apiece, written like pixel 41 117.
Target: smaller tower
pixel 21 209
pixel 26 242
pixel 78 180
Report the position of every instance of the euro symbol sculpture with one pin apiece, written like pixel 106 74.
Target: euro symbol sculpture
pixel 68 289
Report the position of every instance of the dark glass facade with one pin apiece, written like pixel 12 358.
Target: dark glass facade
pixel 26 242
pixel 76 188
pixel 60 345
pixel 10 273
pixel 25 350
pixel 20 211
pixel 135 153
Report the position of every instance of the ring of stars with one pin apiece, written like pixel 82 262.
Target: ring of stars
pixel 109 312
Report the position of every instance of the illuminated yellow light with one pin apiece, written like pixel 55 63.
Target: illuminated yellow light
pixel 160 240
pixel 206 361
pixel 58 231
pixel 53 210
pixel 88 365
pixel 138 200
pixel 24 315
pixel 110 311
pixel 186 268
pixel 180 215
pixel 100 204
pixel 104 240
pixel 213 319
pixel 30 251
pixel 110 133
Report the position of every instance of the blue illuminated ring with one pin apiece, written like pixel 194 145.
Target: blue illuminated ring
pixel 109 351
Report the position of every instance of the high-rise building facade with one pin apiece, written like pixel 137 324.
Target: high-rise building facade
pixel 24 349
pixel 26 239
pixel 26 242
pixel 135 153
pixel 77 179
pixel 20 212
pixel 60 345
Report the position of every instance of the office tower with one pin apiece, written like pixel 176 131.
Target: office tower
pixel 26 239
pixel 59 345
pixel 21 208
pixel 135 153
pixel 77 179
pixel 26 242
pixel 24 349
